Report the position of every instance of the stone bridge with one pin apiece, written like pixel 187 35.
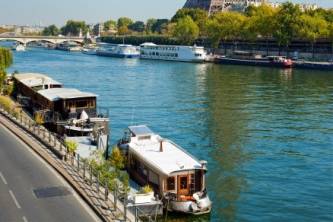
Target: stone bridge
pixel 51 39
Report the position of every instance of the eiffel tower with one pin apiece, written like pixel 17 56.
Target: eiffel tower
pixel 213 6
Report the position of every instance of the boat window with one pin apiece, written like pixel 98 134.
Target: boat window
pixel 144 137
pixel 171 183
pixel 183 183
pixel 153 178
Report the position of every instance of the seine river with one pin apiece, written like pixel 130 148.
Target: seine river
pixel 267 134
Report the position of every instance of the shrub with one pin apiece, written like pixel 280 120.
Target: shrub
pixel 146 189
pixel 71 146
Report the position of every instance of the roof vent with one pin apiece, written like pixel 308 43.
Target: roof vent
pixel 203 164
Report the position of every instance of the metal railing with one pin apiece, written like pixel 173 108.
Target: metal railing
pixel 114 199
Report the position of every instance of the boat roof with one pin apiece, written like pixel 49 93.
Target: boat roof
pixel 172 159
pixel 140 130
pixel 35 79
pixel 180 46
pixel 55 94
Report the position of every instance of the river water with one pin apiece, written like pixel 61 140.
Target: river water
pixel 267 134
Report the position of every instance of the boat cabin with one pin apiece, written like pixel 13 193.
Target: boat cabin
pixel 162 164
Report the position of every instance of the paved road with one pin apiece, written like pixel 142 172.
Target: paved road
pixel 21 172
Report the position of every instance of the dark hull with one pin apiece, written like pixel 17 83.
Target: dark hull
pixel 248 62
pixel 314 66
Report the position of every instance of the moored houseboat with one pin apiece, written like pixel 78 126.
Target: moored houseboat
pixel 251 59
pixel 64 110
pixel 119 51
pixel 173 52
pixel 174 174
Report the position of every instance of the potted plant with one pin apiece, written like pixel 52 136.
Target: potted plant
pixel 145 195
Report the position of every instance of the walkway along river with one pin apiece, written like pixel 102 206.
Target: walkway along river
pixel 267 133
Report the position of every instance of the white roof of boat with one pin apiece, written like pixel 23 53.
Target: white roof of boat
pixel 35 79
pixel 55 94
pixel 180 46
pixel 172 159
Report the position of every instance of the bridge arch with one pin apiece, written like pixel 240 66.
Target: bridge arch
pixel 12 39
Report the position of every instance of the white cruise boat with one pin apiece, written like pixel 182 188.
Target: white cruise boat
pixel 19 48
pixel 176 176
pixel 173 52
pixel 119 51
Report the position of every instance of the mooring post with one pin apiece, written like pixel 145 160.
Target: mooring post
pixel 78 163
pixel 125 206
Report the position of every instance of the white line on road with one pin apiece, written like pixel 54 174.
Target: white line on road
pixel 3 178
pixel 24 219
pixel 14 198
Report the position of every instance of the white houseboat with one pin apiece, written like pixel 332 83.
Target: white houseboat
pixel 173 52
pixel 119 51
pixel 174 174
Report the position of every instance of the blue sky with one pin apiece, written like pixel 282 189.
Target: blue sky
pixel 30 12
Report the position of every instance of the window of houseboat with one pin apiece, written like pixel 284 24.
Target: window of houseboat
pixel 183 182
pixel 171 183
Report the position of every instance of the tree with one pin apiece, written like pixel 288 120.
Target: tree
pixel 109 25
pixel 199 16
pixel 123 30
pixel 186 30
pixel 51 30
pixel 137 26
pixel 312 28
pixel 6 60
pixel 117 159
pixel 286 23
pixel 74 27
pixel 124 22
pixel 224 26
pixel 149 25
pixel 160 25
pixel 260 22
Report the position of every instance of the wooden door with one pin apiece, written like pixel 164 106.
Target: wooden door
pixel 183 185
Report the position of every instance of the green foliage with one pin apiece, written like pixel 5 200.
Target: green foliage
pixel 6 103
pixel 149 25
pixel 8 90
pixel 287 23
pixel 313 27
pixel 51 30
pixel 224 26
pixel 186 30
pixel 146 189
pixel 160 26
pixel 117 159
pixel 39 118
pixel 71 146
pixel 73 28
pixel 6 60
pixel 124 22
pixel 199 16
pixel 109 25
pixel 137 26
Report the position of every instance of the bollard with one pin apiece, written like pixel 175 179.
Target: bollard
pixel 136 214
pixel 55 141
pixel 78 163
pixel 91 172
pixel 106 189
pixel 84 170
pixel 115 195
pixel 125 207
pixel 97 184
pixel 49 137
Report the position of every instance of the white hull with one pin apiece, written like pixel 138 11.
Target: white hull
pixel 202 206
pixel 19 48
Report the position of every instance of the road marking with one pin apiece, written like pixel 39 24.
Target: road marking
pixel 24 219
pixel 3 178
pixel 14 198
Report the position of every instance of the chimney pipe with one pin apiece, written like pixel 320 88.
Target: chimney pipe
pixel 161 146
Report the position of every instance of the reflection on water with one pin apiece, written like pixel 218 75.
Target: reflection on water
pixel 266 133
